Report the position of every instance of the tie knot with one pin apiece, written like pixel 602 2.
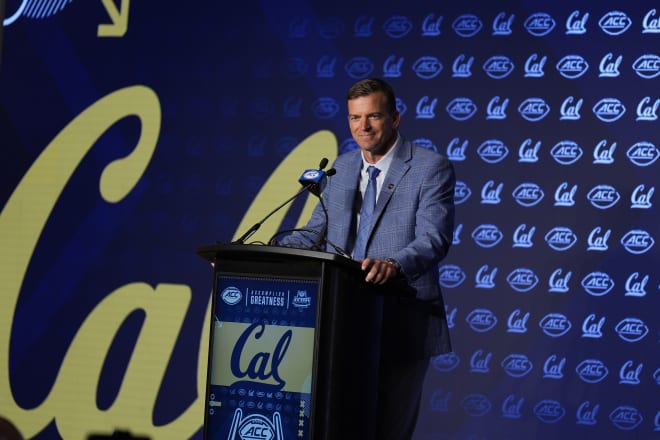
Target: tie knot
pixel 373 172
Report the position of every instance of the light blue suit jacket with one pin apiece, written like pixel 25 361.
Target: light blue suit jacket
pixel 413 223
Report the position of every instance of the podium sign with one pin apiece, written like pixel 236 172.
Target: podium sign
pixel 262 356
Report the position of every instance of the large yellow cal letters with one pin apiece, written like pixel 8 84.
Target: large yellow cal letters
pixel 72 400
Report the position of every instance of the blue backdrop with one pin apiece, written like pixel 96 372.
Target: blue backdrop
pixel 134 132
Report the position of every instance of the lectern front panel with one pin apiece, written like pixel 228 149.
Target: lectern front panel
pixel 262 358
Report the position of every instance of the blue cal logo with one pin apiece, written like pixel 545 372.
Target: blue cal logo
pixel 586 414
pixel 511 407
pixel 555 325
pixel 609 109
pixel 528 152
pixel 637 241
pixel 497 109
pixel 481 320
pixel 576 25
pixel 522 279
pixel 539 24
pixel 560 238
pixel 427 67
pixel 462 66
pixel 461 109
pixel 565 196
pixel 603 196
pixel 517 323
pixel 456 152
pixel 626 417
pixel 467 25
pixel 549 411
pixel 533 109
pixel 522 238
pixel 479 361
pixel 528 194
pixel 614 23
pixel 426 107
pixel 631 329
pixel 647 111
pixel 498 66
pixel 431 25
pixel 485 279
pixel 392 67
pixel 603 154
pixel 363 26
pixel 553 368
pixel 487 236
pixel 566 152
pixel 490 193
pixel 609 66
pixel 629 374
pixel 592 327
pixel 397 26
pixel 651 25
pixel 450 276
pixel 517 365
pixel 597 283
pixel 534 66
pixel 502 24
pixel 635 286
pixel 591 370
pixel 492 151
pixel 643 153
pixel 572 66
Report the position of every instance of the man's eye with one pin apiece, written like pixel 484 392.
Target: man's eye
pixel 376 117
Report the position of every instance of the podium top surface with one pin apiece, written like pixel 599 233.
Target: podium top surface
pixel 214 252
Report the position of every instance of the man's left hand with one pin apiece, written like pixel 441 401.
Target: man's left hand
pixel 378 271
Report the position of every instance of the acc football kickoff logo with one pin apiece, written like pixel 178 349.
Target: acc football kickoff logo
pixel 591 370
pixel 549 411
pixel 231 295
pixel 517 365
pixel 481 320
pixel 555 325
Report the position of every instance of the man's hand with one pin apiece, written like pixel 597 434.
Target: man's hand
pixel 378 271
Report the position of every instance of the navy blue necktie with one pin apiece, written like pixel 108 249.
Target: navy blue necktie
pixel 366 215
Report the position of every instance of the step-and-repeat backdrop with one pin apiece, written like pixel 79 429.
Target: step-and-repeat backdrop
pixel 134 132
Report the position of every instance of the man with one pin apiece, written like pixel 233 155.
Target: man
pixel 408 233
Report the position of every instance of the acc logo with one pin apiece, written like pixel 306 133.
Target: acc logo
pixel 325 108
pixel 451 276
pixel 631 329
pixel 359 67
pixel 637 241
pixel 609 109
pixel 626 417
pixel 446 362
pixel 461 192
pixel 528 194
pixel 560 238
pixel 647 66
pixel 461 109
pixel 498 67
pixel 591 370
pixel 539 24
pixel 603 196
pixel 231 295
pixel 533 109
pixel 487 236
pixel 476 404
pixel 427 67
pixel 566 152
pixel 481 320
pixel 555 325
pixel 426 144
pixel 572 66
pixel 517 365
pixel 467 25
pixel 549 411
pixel 643 153
pixel 397 26
pixel 597 283
pixel 256 426
pixel 522 279
pixel 614 23
pixel 493 151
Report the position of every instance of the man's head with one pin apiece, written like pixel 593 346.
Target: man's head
pixel 373 117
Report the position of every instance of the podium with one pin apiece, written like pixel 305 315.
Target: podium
pixel 294 347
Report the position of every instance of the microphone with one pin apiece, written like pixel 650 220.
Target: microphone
pixel 310 180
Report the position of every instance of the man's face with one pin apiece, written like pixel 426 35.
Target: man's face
pixel 372 126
